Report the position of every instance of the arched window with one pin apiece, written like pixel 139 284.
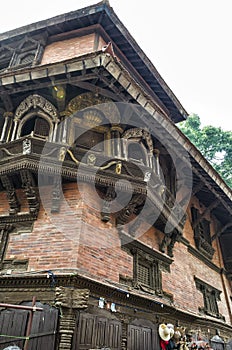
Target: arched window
pixel 35 116
pixel 37 126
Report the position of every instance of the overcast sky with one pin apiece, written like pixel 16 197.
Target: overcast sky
pixel 188 41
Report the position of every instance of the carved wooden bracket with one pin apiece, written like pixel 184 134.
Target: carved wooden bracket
pixel 29 189
pixel 106 210
pixel 205 212
pixel 11 194
pixel 56 194
pixel 124 215
pixel 169 241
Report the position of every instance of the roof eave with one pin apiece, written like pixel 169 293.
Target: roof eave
pixel 177 112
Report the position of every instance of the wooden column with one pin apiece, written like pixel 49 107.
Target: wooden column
pixel 116 141
pixel 157 165
pixel 69 300
pixel 55 131
pixel 16 121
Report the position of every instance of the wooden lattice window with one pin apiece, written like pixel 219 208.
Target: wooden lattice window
pixel 144 274
pixel 202 236
pixel 42 127
pixel 210 297
pixel 148 265
pixel 147 275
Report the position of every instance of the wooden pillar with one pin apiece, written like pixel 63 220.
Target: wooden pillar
pixel 69 300
pixel 116 141
pixel 7 116
pixel 157 165
pixel 55 131
pixel 16 121
pixel 67 328
pixel 64 131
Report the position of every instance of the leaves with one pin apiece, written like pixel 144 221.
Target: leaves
pixel 214 143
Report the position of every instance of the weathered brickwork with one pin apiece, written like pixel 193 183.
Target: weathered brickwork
pixel 76 238
pixel 73 238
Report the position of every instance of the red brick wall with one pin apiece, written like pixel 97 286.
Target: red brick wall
pixel 70 48
pixel 77 238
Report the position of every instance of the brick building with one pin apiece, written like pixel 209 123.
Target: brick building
pixel 109 216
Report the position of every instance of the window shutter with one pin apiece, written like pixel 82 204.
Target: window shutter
pixel 144 274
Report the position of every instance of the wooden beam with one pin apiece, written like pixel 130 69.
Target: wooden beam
pixel 210 187
pixel 206 211
pixel 96 89
pixel 195 189
pixel 36 84
pixel 110 84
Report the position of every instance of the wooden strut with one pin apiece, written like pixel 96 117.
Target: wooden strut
pixel 32 309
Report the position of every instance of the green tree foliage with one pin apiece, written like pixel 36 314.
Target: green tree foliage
pixel 214 143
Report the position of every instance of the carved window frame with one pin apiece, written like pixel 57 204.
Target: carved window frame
pixel 140 258
pixel 202 237
pixel 154 260
pixel 211 296
pixel 36 113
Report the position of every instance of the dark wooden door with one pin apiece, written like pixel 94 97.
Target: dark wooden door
pixel 44 327
pixel 95 331
pixel 13 324
pixel 140 338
